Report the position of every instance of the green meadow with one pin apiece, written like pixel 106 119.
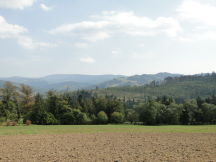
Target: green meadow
pixel 67 129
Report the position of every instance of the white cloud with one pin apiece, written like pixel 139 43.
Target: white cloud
pixel 18 33
pixel 201 15
pixel 79 27
pixel 29 43
pixel 45 7
pixel 87 60
pixel 110 22
pixel 130 23
pixel 10 30
pixel 16 4
pixel 196 11
pixel 93 37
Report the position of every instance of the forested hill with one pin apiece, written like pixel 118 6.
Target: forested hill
pixel 178 87
pixel 136 80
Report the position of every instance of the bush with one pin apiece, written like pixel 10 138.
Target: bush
pixel 86 119
pixel 117 117
pixel 43 118
pixel 48 119
pixel 102 118
pixel 93 119
pixel 74 117
pixel 20 121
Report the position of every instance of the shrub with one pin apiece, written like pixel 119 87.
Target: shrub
pixel 102 118
pixel 20 121
pixel 86 119
pixel 74 117
pixel 93 119
pixel 43 118
pixel 48 119
pixel 117 117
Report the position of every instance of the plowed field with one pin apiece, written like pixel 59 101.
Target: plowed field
pixel 109 146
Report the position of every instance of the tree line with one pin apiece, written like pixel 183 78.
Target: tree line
pixel 19 103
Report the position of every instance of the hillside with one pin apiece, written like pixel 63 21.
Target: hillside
pixel 136 80
pixel 137 86
pixel 179 87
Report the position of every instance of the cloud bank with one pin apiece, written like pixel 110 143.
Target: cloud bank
pixel 110 23
pixel 16 4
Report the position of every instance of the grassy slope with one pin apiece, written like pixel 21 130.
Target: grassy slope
pixel 64 129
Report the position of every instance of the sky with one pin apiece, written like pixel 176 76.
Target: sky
pixel 43 37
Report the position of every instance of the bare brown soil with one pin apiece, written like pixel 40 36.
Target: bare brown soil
pixel 196 147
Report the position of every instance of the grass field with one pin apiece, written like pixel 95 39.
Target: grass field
pixel 66 129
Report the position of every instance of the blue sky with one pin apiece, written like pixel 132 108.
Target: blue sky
pixel 41 37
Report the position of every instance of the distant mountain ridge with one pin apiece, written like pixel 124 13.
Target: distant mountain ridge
pixel 62 82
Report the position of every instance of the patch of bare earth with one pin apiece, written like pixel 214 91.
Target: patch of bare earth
pixel 109 147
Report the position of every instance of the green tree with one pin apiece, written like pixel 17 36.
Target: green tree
pixel 9 94
pixel 39 115
pixel 172 114
pixel 57 105
pixel 149 113
pixel 113 105
pixel 209 113
pixel 117 117
pixel 74 117
pixel 188 115
pixel 100 104
pixel 132 116
pixel 102 118
pixel 26 98
pixel 1 109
